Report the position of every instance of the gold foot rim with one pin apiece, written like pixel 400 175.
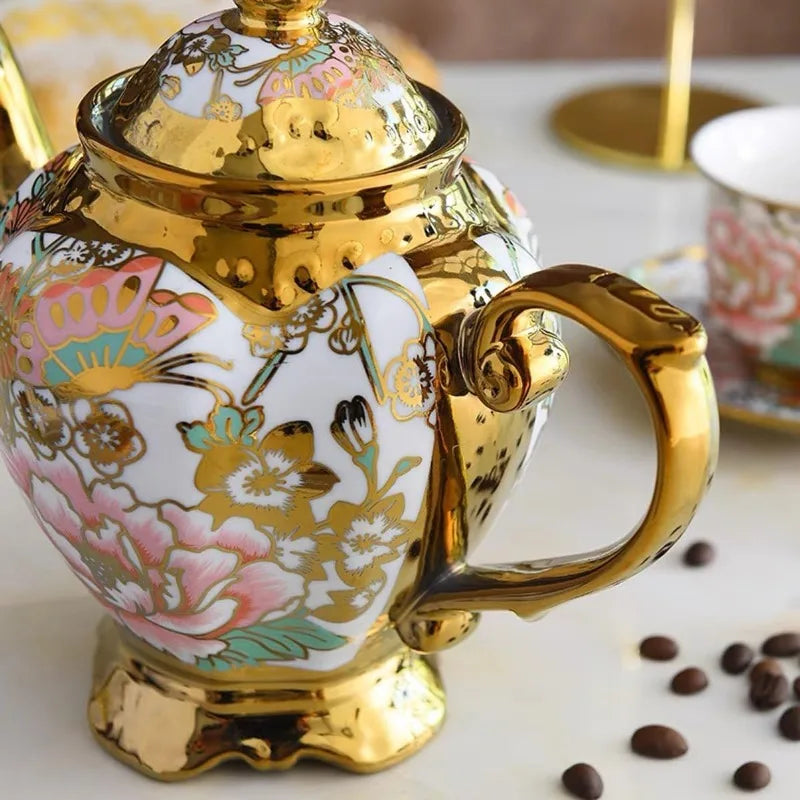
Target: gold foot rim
pixel 171 726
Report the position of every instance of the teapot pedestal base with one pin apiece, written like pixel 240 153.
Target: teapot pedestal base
pixel 172 724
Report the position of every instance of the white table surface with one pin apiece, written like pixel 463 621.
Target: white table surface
pixel 525 700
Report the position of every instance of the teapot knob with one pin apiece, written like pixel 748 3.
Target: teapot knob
pixel 281 14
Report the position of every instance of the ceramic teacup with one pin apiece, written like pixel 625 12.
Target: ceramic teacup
pixel 752 159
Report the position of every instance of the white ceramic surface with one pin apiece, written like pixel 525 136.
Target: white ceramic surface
pixel 754 151
pixel 526 700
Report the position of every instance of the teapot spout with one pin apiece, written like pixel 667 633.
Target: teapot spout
pixel 24 143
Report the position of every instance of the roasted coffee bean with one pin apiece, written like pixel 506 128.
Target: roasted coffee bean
pixel 752 775
pixel 699 554
pixel 796 687
pixel 789 723
pixel 658 648
pixel 658 741
pixel 767 666
pixel 768 691
pixel 583 781
pixel 689 681
pixel 782 645
pixel 737 658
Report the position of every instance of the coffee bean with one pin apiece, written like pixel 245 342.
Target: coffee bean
pixel 796 687
pixel 789 723
pixel 767 666
pixel 768 691
pixel 736 658
pixel 782 645
pixel 752 775
pixel 699 554
pixel 583 781
pixel 689 681
pixel 658 648
pixel 658 741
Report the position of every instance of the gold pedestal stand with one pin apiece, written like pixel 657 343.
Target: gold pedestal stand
pixel 648 125
pixel 171 722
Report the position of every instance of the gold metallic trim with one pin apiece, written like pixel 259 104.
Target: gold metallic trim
pixel 284 15
pixel 108 158
pixel 663 348
pixel 170 723
pixel 310 234
pixel 747 417
pixel 444 152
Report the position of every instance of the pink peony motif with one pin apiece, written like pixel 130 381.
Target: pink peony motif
pixel 160 570
pixel 754 274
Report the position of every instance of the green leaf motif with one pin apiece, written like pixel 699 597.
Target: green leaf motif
pixel 284 639
pixel 405 465
pixel 787 352
pixel 367 458
pixel 227 425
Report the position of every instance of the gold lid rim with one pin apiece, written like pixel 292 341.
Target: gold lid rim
pixel 445 150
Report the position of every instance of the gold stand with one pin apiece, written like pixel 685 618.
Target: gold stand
pixel 648 125
pixel 172 723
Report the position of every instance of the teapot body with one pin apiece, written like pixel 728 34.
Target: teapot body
pixel 243 486
pixel 272 355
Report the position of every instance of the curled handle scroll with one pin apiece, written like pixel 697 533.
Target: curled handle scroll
pixel 663 347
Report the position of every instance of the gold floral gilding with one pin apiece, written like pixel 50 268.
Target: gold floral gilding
pixel 270 234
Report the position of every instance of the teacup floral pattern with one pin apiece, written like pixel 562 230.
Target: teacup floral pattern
pixel 754 276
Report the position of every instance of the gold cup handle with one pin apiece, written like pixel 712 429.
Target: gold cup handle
pixel 664 349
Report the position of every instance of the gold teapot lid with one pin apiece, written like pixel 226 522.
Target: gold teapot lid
pixel 275 89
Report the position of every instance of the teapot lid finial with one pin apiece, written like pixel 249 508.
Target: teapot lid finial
pixel 275 89
pixel 279 13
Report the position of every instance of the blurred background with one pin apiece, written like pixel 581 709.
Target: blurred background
pixel 525 29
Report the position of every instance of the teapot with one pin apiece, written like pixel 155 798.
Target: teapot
pixel 273 354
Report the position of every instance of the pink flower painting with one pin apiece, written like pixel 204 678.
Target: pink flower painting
pixel 754 273
pixel 161 571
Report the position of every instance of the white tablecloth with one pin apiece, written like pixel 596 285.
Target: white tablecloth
pixel 526 700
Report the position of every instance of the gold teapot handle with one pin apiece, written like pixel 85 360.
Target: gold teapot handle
pixel 664 348
pixel 24 143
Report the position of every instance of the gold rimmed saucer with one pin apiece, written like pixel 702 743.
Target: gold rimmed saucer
pixel 680 277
